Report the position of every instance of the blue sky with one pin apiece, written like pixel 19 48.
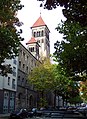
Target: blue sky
pixel 30 13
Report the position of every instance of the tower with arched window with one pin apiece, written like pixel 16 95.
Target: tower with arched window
pixel 33 47
pixel 40 33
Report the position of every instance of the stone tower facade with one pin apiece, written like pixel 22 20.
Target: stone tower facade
pixel 40 35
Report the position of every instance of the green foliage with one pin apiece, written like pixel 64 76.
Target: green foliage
pixel 42 102
pixel 75 100
pixel 83 90
pixel 52 77
pixel 72 51
pixel 9 36
pixel 63 85
pixel 41 77
pixel 73 10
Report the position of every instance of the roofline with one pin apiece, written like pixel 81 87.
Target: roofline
pixel 40 26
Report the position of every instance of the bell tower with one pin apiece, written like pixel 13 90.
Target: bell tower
pixel 41 32
pixel 33 47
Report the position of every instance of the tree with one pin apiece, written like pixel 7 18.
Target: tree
pixel 72 51
pixel 83 90
pixel 64 86
pixel 41 78
pixel 9 36
pixel 52 77
pixel 73 10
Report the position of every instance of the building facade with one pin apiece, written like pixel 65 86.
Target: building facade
pixel 38 46
pixel 26 96
pixel 15 90
pixel 8 87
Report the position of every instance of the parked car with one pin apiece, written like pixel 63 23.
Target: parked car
pixel 20 114
pixel 73 115
pixel 83 110
pixel 63 115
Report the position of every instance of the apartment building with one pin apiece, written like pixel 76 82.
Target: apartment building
pixel 8 87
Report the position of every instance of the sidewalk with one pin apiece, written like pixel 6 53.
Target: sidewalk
pixel 4 116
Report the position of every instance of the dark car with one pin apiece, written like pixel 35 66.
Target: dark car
pixel 73 115
pixel 64 115
pixel 19 114
pixel 83 110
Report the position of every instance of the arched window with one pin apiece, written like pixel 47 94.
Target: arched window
pixel 42 33
pixel 42 41
pixel 29 49
pixel 33 49
pixel 37 33
pixel 34 34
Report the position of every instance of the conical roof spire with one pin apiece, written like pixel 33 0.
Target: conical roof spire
pixel 39 22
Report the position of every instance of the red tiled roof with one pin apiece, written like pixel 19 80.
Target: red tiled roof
pixel 32 40
pixel 39 22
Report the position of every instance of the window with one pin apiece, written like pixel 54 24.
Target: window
pixel 11 100
pixel 31 49
pixel 6 102
pixel 14 61
pixel 37 33
pixel 13 83
pixel 14 71
pixel 42 33
pixel 19 63
pixel 42 41
pixel 27 68
pixel 23 55
pixel 22 79
pixel 9 81
pixel 27 58
pixel 19 78
pixel 23 66
pixel 34 34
